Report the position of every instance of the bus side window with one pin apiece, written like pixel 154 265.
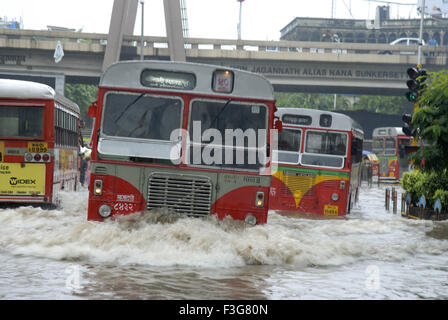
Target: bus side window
pixel 356 150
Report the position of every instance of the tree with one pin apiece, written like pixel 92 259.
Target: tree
pixel 431 121
pixel 383 104
pixel 311 101
pixel 374 103
pixel 83 95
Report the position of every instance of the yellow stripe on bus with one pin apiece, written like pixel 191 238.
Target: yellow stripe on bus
pixel 300 185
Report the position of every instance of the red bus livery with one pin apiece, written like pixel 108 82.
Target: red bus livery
pixel 319 163
pixel 158 141
pixel 39 143
pixel 389 144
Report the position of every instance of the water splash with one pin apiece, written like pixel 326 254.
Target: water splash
pixel 158 238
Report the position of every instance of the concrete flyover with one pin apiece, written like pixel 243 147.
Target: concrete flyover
pixel 291 66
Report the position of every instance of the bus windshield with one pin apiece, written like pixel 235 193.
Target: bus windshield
pixel 230 131
pixel 141 116
pixel 289 145
pixel 325 148
pixel 21 122
pixel 377 146
pixel 390 148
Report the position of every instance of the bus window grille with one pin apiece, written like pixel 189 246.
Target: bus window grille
pixel 298 183
pixel 185 194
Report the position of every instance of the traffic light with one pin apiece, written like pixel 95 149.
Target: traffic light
pixel 417 77
pixel 408 127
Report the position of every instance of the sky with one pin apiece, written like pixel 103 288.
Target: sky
pixel 261 19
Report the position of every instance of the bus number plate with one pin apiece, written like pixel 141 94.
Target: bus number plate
pixel 330 210
pixel 37 147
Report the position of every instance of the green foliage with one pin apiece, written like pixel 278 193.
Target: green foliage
pixel 380 104
pixel 409 182
pixel 383 104
pixel 430 184
pixel 443 196
pixel 311 101
pixel 431 121
pixel 83 95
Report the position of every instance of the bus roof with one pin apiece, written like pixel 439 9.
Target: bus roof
pixel 339 121
pixel 20 89
pixel 68 103
pixel 126 74
pixel 387 131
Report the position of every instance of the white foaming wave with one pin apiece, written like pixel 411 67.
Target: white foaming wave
pixel 67 235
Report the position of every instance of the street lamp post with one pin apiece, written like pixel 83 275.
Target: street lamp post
pixel 419 54
pixel 142 40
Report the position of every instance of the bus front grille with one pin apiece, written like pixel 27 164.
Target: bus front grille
pixel 185 194
pixel 298 184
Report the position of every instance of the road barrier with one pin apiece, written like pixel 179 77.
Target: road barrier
pixel 420 211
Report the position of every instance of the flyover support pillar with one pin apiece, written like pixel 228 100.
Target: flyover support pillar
pixel 173 22
pixel 122 22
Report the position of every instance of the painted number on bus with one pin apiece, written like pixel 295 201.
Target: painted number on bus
pixel 123 206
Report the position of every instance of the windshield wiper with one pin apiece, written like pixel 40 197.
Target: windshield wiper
pixel 128 106
pixel 220 112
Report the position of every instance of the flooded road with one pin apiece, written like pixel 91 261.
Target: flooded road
pixel 374 254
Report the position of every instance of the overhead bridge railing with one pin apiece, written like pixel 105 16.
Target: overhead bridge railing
pixel 95 42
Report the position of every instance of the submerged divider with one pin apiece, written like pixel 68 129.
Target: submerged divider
pixel 391 194
pixel 419 211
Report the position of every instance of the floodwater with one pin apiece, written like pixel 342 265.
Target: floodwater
pixel 373 254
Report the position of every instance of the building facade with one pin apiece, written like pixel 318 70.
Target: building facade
pixel 381 30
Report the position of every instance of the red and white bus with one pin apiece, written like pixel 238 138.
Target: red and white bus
pixel 39 143
pixel 319 163
pixel 158 141
pixel 389 144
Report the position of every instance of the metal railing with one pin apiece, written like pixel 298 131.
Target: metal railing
pixel 97 42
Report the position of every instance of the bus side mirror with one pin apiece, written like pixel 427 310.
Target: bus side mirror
pixel 278 125
pixel 92 110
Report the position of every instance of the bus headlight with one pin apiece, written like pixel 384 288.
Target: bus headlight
pixel 250 219
pixel 98 187
pixel 335 197
pixel 259 199
pixel 104 211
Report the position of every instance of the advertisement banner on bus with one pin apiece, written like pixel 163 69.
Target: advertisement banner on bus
pixel 22 179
